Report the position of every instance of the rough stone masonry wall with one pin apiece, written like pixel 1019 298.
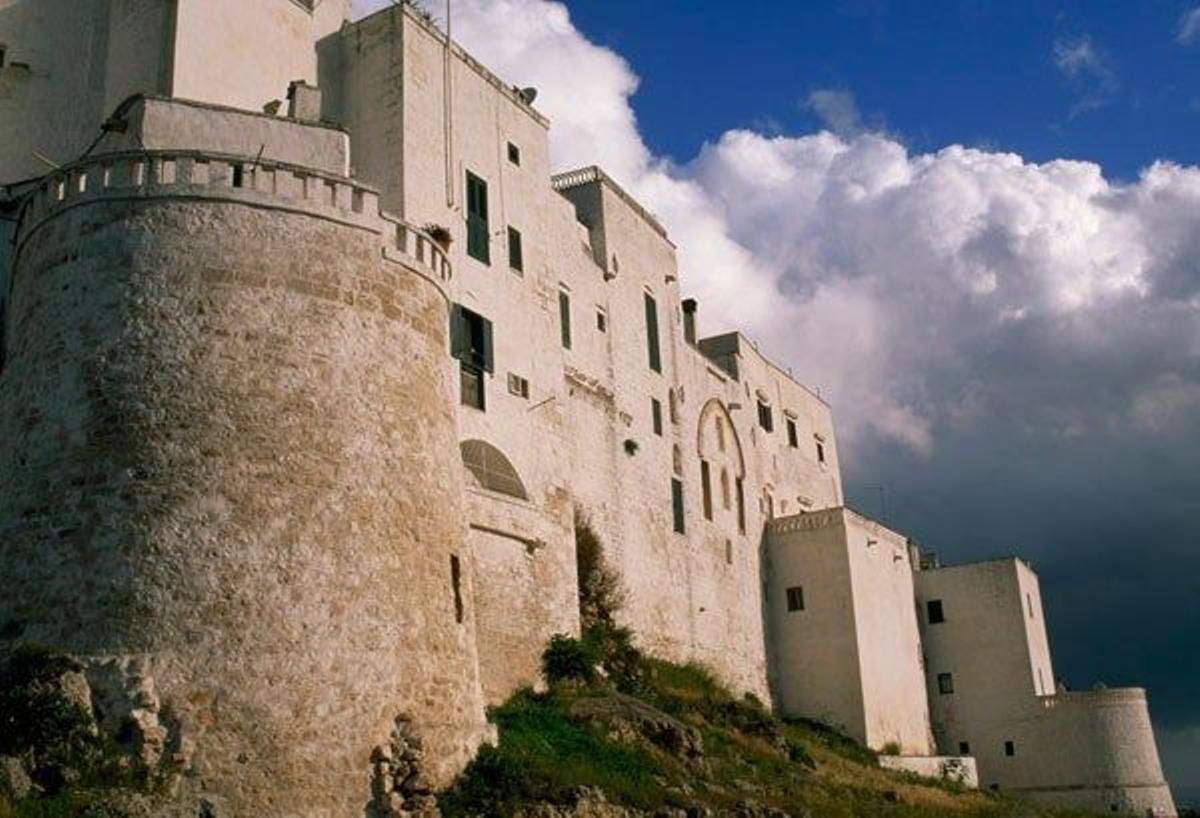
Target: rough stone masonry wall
pixel 225 439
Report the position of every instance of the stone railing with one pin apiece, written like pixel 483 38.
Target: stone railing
pixel 806 521
pixel 1093 698
pixel 205 175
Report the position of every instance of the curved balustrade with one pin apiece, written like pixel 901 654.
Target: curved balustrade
pixel 205 175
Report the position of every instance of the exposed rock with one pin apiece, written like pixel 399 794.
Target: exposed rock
pixel 399 786
pixel 630 719
pixel 15 782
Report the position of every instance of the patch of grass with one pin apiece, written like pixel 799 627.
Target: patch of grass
pixel 543 755
pixel 546 755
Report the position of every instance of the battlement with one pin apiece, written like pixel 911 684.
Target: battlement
pixel 191 174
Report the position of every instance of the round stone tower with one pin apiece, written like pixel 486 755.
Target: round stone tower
pixel 229 475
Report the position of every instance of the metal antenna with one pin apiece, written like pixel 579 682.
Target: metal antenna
pixel 882 500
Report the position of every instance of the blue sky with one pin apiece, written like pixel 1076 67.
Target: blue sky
pixel 999 75
pixel 975 229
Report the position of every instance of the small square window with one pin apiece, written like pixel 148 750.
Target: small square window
pixel 514 154
pixel 933 609
pixel 601 320
pixel 964 748
pixel 945 683
pixel 518 386
pixel 795 598
pixel 793 439
pixel 516 257
pixel 656 416
pixel 1010 749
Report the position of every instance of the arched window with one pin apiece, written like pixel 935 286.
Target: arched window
pixel 491 469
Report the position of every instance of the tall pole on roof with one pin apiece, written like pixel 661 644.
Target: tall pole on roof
pixel 448 113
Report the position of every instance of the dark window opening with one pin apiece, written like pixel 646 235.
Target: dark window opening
pixel 471 383
pixel 564 318
pixel 820 452
pixel 239 176
pixel 706 489
pixel 456 582
pixel 601 321
pixel 741 506
pixel 1029 604
pixel 964 748
pixel 795 599
pixel 656 416
pixel 1010 749
pixel 3 333
pixel 652 333
pixel 765 419
pixel 3 51
pixel 471 343
pixel 933 609
pixel 793 439
pixel 514 154
pixel 478 240
pixel 945 683
pixel 677 505
pixel 516 259
pixel 728 552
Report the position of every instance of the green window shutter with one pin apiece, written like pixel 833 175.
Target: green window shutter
pixel 489 361
pixel 677 506
pixel 460 337
pixel 652 333
pixel 516 256
pixel 564 318
pixel 478 237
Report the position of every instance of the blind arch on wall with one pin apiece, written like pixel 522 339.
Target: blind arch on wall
pixel 717 438
pixel 492 469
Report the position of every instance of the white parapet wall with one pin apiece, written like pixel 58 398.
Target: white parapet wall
pixel 960 769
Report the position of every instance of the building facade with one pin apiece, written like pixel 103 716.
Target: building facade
pixel 311 367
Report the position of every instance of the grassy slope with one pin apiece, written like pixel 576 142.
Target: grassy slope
pixel 544 753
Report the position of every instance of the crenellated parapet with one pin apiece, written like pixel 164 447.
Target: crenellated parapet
pixel 246 180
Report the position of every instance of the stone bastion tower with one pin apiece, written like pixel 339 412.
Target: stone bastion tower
pixel 226 380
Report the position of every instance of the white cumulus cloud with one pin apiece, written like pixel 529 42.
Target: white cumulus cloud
pixel 1189 27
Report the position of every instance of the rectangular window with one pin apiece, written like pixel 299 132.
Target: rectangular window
pixel 478 238
pixel 933 608
pixel 706 489
pixel 652 333
pixel 677 505
pixel 964 748
pixel 471 344
pixel 795 599
pixel 456 584
pixel 601 320
pixel 517 385
pixel 765 419
pixel 1010 749
pixel 793 439
pixel 516 259
pixel 564 317
pixel 656 416
pixel 820 452
pixel 741 506
pixel 1029 604
pixel 945 683
pixel 514 154
pixel 471 381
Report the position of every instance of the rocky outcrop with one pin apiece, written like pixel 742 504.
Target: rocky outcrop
pixel 400 786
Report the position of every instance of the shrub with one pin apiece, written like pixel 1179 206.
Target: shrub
pixel 892 748
pixel 613 646
pixel 601 592
pixel 567 659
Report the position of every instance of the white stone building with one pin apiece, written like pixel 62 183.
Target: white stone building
pixel 580 388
